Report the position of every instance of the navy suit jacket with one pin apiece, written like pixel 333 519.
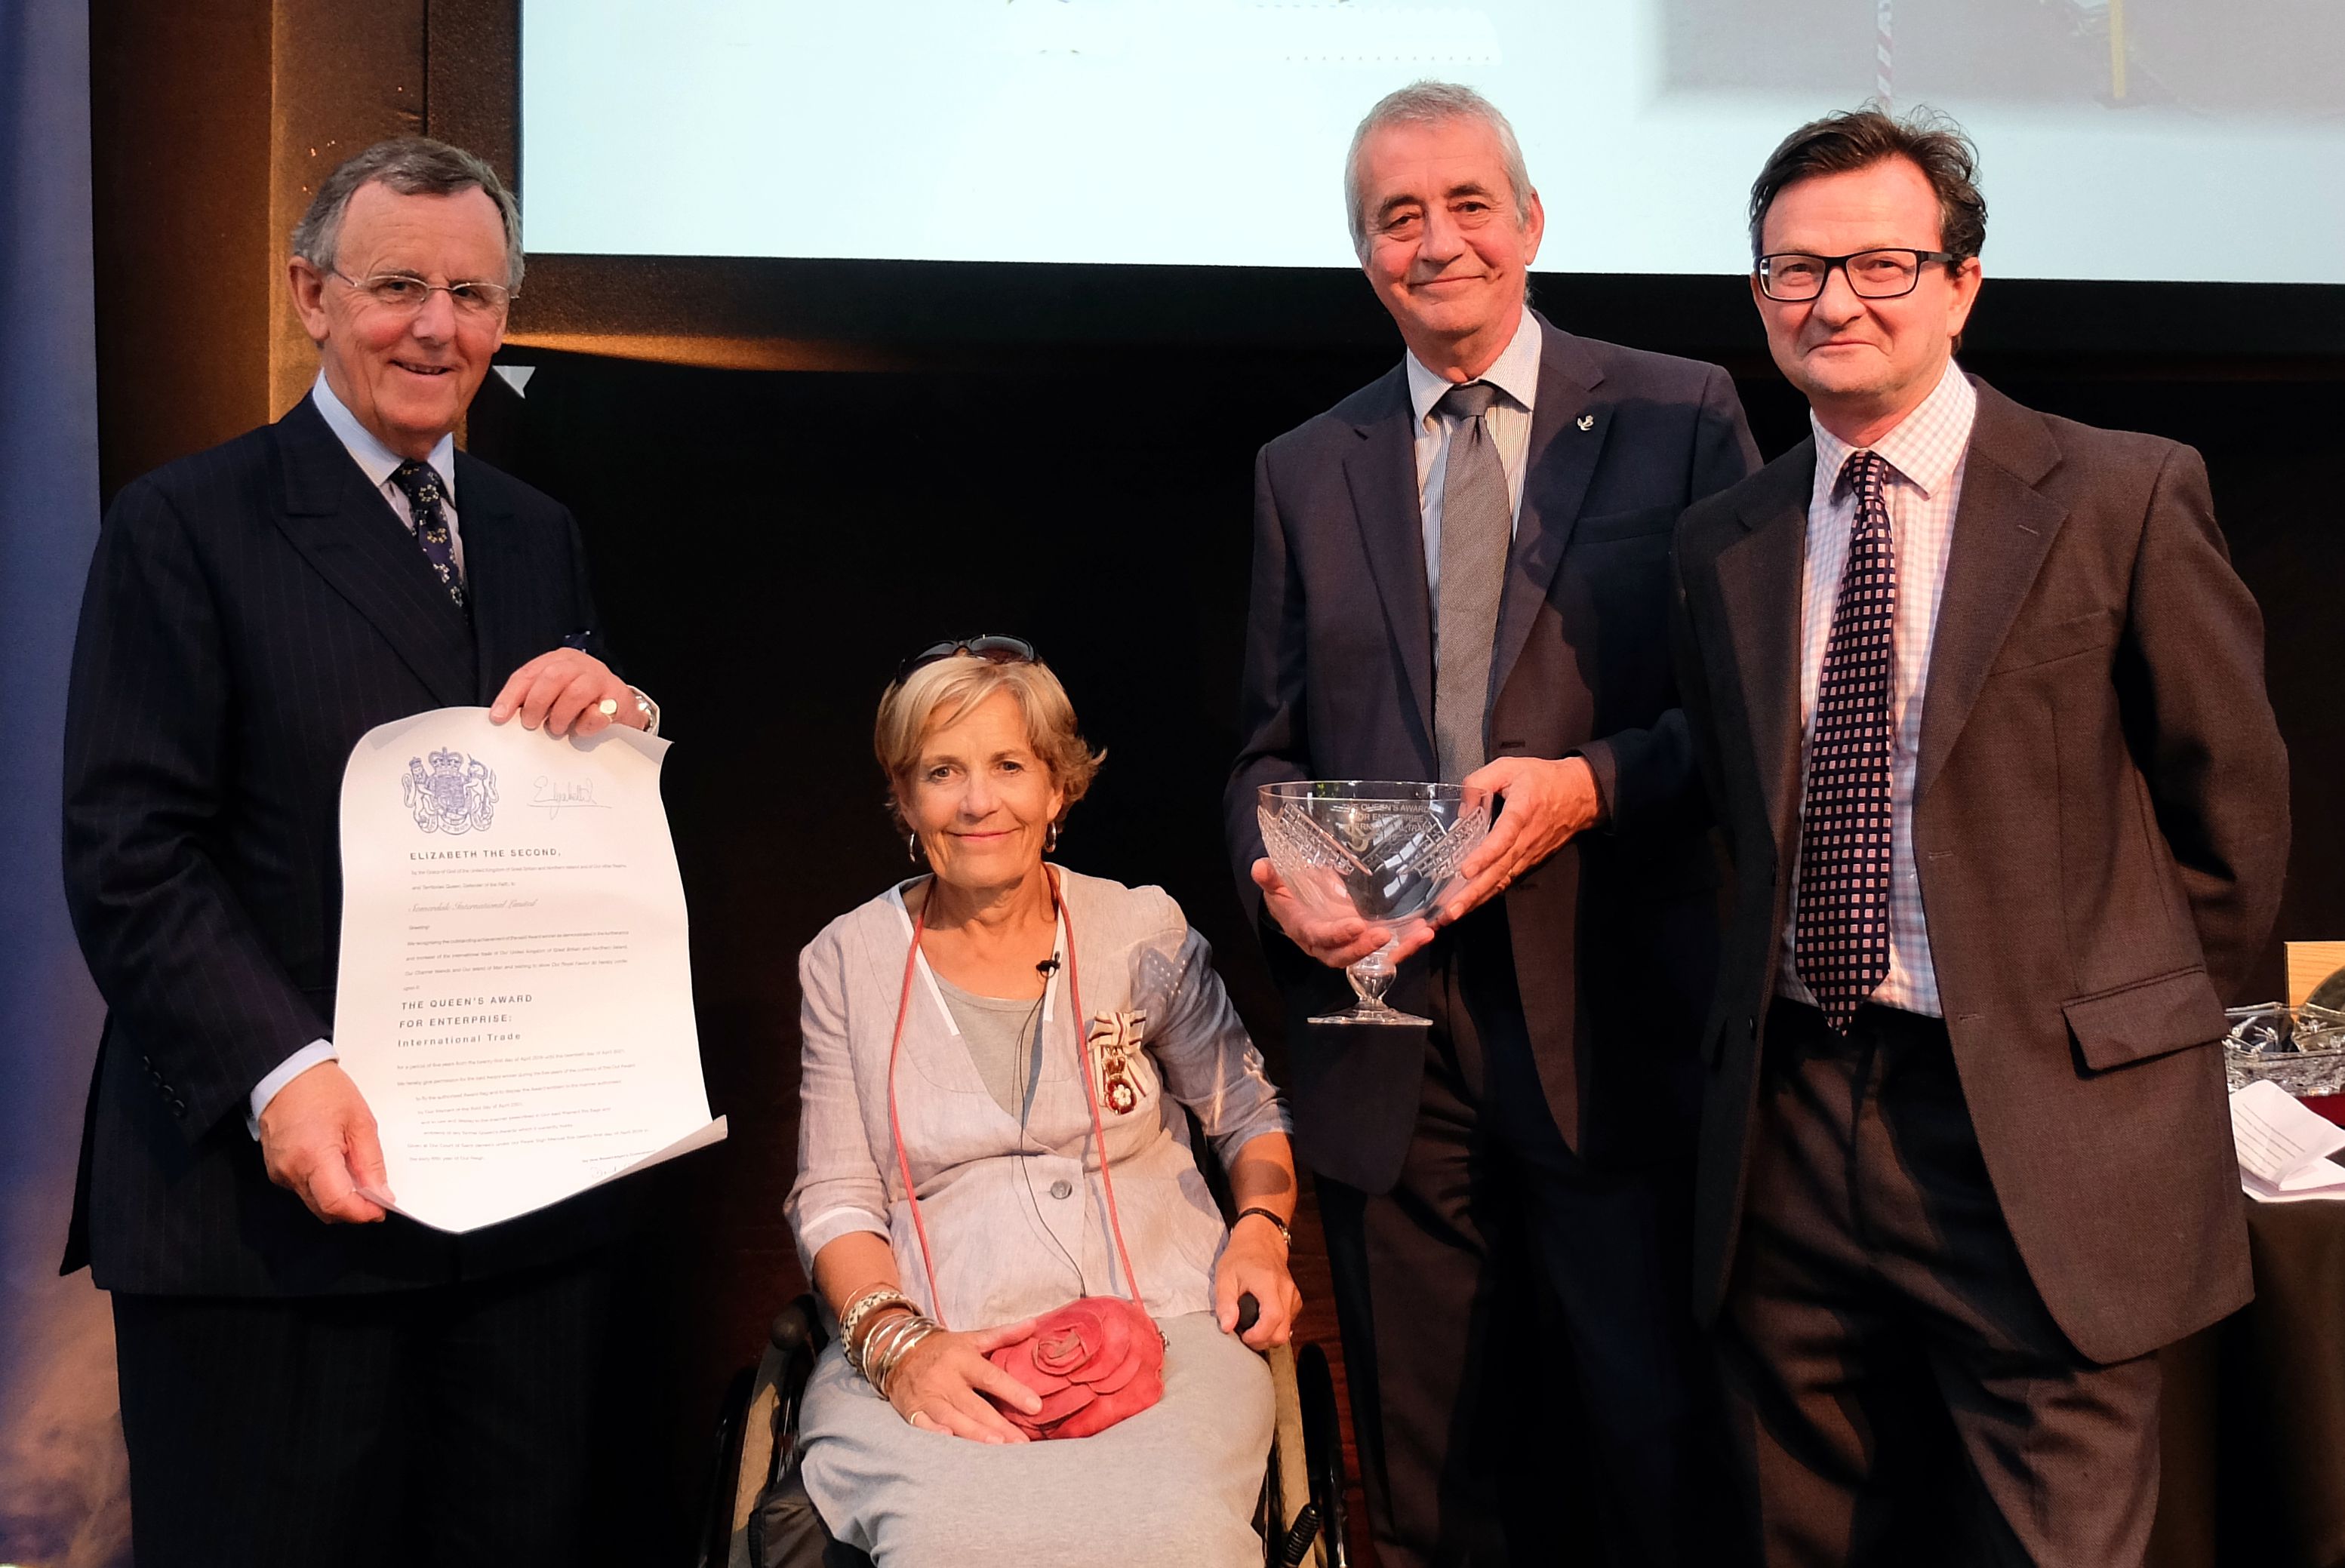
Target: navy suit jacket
pixel 1338 683
pixel 251 612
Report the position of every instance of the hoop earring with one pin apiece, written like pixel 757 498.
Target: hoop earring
pixel 912 847
pixel 1051 839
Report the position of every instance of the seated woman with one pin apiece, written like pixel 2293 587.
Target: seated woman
pixel 1016 1042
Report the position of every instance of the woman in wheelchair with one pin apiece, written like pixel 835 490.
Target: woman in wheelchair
pixel 994 1166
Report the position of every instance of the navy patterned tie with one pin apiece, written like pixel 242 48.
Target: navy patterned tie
pixel 1841 943
pixel 421 484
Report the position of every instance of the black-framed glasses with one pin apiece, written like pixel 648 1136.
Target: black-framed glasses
pixel 406 293
pixel 992 647
pixel 1795 276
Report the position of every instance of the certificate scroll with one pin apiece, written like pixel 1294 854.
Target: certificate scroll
pixel 516 993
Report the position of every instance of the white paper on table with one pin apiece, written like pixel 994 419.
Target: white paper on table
pixel 2284 1147
pixel 516 994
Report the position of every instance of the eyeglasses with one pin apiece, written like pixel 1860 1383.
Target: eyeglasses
pixel 406 293
pixel 989 647
pixel 1792 277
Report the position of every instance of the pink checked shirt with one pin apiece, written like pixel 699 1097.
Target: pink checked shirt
pixel 1925 454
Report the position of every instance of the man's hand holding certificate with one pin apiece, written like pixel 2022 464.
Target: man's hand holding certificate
pixel 515 997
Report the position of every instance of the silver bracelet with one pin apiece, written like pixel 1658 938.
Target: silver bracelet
pixel 901 1335
pixel 859 1310
pixel 871 1362
pixel 892 1340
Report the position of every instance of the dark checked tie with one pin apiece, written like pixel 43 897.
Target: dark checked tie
pixel 1840 947
pixel 424 497
pixel 1478 516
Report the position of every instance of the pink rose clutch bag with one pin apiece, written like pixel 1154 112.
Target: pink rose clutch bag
pixel 1094 1361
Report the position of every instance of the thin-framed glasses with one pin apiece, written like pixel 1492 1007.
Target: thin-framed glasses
pixel 990 647
pixel 1793 277
pixel 406 293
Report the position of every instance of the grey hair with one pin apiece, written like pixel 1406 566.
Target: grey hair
pixel 1431 104
pixel 410 166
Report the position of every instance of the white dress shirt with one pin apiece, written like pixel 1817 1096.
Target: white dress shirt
pixel 378 462
pixel 1514 373
pixel 1926 454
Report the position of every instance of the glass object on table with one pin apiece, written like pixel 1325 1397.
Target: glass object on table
pixel 1385 851
pixel 2301 1049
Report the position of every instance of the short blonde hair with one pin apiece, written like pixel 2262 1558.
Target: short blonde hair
pixel 939 694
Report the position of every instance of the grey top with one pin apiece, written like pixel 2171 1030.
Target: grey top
pixel 1004 1036
pixel 1016 1213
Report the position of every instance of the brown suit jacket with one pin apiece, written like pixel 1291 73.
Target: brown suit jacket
pixel 2100 824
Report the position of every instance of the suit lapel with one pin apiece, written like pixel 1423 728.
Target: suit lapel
pixel 1759 580
pixel 494 574
pixel 1557 466
pixel 2003 527
pixel 1380 472
pixel 352 539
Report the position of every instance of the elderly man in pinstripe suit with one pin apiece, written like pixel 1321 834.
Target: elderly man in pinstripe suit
pixel 304 1379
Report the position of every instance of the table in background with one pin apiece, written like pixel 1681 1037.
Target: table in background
pixel 2253 1473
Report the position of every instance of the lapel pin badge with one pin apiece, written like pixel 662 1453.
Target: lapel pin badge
pixel 1587 421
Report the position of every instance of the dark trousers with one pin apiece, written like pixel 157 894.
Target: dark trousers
pixel 449 1425
pixel 1526 1381
pixel 1896 1391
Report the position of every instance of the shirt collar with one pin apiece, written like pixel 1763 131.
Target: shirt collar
pixel 1514 372
pixel 377 460
pixel 1926 447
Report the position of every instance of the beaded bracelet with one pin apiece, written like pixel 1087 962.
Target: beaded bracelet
pixel 860 1309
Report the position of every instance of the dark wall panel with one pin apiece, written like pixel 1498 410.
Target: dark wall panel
pixel 179 118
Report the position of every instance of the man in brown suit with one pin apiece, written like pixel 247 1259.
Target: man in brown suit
pixel 1981 702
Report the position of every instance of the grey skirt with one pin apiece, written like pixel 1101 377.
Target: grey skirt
pixel 1174 1486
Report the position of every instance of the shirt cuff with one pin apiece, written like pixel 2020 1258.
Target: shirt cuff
pixel 650 710
pixel 285 1071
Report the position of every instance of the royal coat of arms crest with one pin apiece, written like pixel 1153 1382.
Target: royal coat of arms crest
pixel 458 795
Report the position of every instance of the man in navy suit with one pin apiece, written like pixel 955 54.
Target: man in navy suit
pixel 303 1379
pixel 1460 572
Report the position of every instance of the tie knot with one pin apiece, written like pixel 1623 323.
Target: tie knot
pixel 1470 401
pixel 420 481
pixel 1866 474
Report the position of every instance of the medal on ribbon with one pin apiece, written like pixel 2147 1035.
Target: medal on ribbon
pixel 1114 1040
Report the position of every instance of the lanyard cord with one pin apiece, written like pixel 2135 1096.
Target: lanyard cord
pixel 1082 1064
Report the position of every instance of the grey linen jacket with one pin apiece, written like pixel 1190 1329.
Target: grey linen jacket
pixel 1018 1217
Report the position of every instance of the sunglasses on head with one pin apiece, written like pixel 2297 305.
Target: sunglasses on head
pixel 993 649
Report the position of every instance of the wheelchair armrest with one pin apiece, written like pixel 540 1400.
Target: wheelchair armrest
pixel 797 1327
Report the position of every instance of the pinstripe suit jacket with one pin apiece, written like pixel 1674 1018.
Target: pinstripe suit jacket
pixel 251 612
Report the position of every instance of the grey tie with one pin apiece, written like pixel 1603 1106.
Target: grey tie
pixel 1476 526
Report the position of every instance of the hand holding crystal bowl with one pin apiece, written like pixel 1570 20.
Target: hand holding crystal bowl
pixel 1378 851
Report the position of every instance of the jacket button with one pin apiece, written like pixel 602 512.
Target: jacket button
pixel 179 1106
pixel 1750 1025
pixel 1063 1187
